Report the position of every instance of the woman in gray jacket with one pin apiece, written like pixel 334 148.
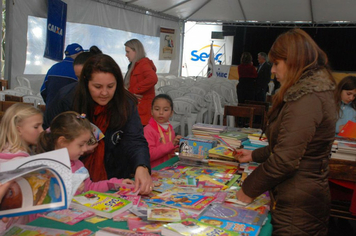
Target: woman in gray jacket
pixel 294 167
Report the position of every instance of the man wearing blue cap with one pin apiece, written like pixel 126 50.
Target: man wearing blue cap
pixel 61 73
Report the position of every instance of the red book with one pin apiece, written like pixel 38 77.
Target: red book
pixel 349 130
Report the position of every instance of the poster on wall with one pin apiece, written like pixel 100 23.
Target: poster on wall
pixel 56 29
pixel 167 44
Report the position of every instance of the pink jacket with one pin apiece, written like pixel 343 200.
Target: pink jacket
pixel 159 152
pixel 101 186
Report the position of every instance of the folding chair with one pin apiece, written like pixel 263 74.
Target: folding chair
pixel 239 112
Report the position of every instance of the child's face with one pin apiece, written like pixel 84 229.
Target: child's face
pixel 30 128
pixel 78 146
pixel 348 96
pixel 161 110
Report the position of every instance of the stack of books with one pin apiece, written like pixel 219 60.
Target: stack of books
pixel 207 130
pixel 345 150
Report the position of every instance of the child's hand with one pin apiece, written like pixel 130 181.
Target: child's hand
pixel 176 140
pixel 90 149
pixel 128 181
pixel 81 187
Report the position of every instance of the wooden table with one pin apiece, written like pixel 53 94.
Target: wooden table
pixel 342 170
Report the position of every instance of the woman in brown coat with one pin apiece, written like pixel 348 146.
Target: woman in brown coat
pixel 294 167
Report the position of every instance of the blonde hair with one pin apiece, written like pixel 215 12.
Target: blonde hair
pixel 137 47
pixel 68 124
pixel 13 118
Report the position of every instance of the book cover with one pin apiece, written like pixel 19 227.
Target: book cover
pixel 141 226
pixel 69 216
pixel 232 213
pixel 192 202
pixel 190 227
pixel 100 203
pixel 166 214
pixel 223 151
pixel 349 130
pixel 123 189
pixel 34 230
pixel 241 228
pixel 108 231
pixel 41 183
pixel 234 135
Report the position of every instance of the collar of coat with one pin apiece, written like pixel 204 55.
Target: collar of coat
pixel 311 81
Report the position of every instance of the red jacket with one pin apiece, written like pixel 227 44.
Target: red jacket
pixel 142 81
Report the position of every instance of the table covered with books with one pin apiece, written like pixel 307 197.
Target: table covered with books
pixel 266 229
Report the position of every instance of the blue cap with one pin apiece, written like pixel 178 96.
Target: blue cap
pixel 72 49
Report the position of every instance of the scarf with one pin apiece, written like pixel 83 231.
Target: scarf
pixel 95 161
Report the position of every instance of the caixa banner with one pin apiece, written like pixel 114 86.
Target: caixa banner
pixel 56 29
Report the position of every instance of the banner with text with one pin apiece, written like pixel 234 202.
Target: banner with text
pixel 222 71
pixel 167 46
pixel 56 29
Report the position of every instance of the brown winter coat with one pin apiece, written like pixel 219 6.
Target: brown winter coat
pixel 295 164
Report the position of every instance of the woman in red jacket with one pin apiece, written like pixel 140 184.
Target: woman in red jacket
pixel 140 78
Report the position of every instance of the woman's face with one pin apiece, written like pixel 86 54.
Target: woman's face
pixel 279 68
pixel 102 87
pixel 348 96
pixel 130 54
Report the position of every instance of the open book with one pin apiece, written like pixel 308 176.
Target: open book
pixel 42 183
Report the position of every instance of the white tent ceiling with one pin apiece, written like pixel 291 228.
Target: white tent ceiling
pixel 307 12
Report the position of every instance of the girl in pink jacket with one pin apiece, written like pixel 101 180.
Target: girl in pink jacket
pixel 72 131
pixel 159 132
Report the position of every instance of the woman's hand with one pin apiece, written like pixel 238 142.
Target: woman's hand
pixel 241 196
pixel 176 140
pixel 128 181
pixel 143 181
pixel 243 155
pixel 3 191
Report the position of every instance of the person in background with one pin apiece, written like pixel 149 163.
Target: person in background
pixel 79 61
pixel 263 77
pixel 100 93
pixel 20 128
pixel 294 167
pixel 345 95
pixel 60 74
pixel 140 78
pixel 247 78
pixel 159 133
pixel 73 131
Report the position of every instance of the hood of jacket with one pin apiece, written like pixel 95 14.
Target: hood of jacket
pixel 145 60
pixel 310 81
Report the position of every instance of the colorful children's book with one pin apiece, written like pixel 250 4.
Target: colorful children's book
pixel 108 231
pixel 166 214
pixel 123 189
pixel 349 130
pixel 41 183
pixel 141 226
pixel 240 228
pixel 100 203
pixel 162 186
pixel 69 216
pixel 223 152
pixel 232 213
pixel 192 202
pixel 190 227
pixel 42 231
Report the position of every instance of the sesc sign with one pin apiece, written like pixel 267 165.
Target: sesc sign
pixel 203 56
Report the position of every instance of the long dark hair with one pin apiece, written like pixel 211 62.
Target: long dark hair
pixel 119 107
pixel 347 83
pixel 300 53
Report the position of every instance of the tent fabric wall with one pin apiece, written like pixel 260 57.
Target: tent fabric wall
pixel 79 11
